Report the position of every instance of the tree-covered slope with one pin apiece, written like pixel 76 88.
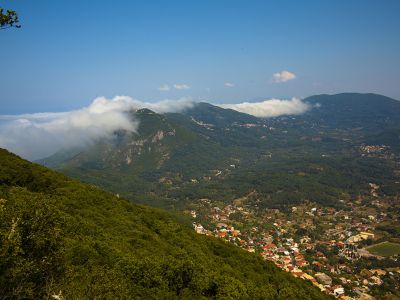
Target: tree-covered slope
pixel 165 146
pixel 59 236
pixel 352 110
pixel 211 152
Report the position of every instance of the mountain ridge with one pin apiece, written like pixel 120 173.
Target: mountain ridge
pixel 210 139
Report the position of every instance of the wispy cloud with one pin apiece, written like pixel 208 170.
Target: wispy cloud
pixel 283 76
pixel 271 107
pixel 38 135
pixel 166 106
pixel 229 84
pixel 181 86
pixel 164 88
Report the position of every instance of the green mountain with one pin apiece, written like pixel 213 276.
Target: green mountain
pixel 61 237
pixel 351 110
pixel 377 117
pixel 210 152
pixel 166 148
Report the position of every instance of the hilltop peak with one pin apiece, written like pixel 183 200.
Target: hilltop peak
pixel 145 111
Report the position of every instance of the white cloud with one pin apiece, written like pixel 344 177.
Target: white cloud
pixel 166 106
pixel 38 135
pixel 283 76
pixel 229 84
pixel 270 108
pixel 181 86
pixel 164 88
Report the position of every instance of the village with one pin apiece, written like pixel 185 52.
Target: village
pixel 323 245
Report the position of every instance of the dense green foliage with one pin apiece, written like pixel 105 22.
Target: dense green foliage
pixel 60 236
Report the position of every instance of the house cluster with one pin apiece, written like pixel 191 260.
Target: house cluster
pixel 381 151
pixel 314 243
pixel 368 149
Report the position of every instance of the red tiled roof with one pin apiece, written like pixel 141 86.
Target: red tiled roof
pixel 269 246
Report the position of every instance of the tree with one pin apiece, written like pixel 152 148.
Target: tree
pixel 8 19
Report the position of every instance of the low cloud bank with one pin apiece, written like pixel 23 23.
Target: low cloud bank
pixel 34 136
pixel 270 108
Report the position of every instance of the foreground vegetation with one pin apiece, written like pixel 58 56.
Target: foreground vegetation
pixel 58 236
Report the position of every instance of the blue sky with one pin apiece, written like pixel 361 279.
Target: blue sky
pixel 69 52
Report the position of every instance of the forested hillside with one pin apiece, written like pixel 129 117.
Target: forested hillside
pixel 61 237
pixel 209 152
